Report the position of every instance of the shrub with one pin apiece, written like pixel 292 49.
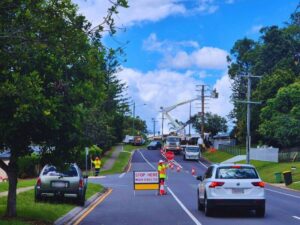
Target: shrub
pixel 28 166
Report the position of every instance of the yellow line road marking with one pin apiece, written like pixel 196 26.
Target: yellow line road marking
pixel 101 199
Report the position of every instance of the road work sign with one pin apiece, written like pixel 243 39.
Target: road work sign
pixel 145 180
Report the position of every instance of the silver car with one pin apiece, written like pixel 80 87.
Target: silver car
pixel 65 182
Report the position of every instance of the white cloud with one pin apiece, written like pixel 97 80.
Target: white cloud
pixel 138 11
pixel 166 46
pixel 204 58
pixel 165 88
pixel 229 1
pixel 207 6
pixel 255 29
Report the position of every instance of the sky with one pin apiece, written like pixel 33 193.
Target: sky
pixel 172 46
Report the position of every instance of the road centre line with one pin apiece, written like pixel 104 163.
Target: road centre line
pixel 101 199
pixel 296 217
pixel 175 197
pixel 184 208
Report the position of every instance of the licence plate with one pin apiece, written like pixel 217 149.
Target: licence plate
pixel 59 184
pixel 237 191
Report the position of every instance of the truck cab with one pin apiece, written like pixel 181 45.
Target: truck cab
pixel 173 144
pixel 191 152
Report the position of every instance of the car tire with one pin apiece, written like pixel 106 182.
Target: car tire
pixel 207 207
pixel 260 211
pixel 200 205
pixel 184 158
pixel 81 200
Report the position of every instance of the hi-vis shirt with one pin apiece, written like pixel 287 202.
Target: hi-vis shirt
pixel 162 170
pixel 97 163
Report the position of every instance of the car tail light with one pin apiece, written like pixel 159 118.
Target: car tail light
pixel 258 184
pixel 38 182
pixel 236 167
pixel 216 184
pixel 81 183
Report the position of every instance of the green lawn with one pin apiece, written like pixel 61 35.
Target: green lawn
pixel 44 212
pixel 216 156
pixel 21 183
pixel 122 160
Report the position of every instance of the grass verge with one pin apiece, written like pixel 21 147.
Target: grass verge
pixel 122 160
pixel 217 156
pixel 21 183
pixel 41 213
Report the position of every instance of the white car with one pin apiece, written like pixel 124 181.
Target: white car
pixel 191 152
pixel 231 185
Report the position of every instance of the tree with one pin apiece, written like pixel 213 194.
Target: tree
pixel 213 123
pixel 50 81
pixel 281 117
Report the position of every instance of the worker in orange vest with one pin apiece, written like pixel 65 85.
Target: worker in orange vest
pixel 162 171
pixel 97 164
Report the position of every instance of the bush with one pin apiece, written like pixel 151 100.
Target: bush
pixel 28 166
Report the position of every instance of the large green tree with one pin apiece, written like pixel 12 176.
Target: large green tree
pixel 275 57
pixel 213 123
pixel 52 78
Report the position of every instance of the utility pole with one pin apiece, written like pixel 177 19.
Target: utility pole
pixel 190 119
pixel 154 122
pixel 162 125
pixel 248 102
pixel 202 111
pixel 133 117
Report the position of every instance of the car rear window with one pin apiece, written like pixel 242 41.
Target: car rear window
pixel 236 172
pixel 69 171
pixel 192 149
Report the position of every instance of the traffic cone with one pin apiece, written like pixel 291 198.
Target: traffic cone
pixel 193 171
pixel 178 169
pixel 162 188
pixel 172 166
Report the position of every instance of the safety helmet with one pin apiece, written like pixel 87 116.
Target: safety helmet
pixel 161 161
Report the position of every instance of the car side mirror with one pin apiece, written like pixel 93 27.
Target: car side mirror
pixel 199 178
pixel 85 176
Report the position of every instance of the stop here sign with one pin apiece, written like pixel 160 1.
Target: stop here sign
pixel 169 155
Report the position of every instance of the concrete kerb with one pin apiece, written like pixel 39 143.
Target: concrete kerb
pixel 78 211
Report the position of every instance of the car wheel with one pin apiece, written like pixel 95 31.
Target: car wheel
pixel 260 211
pixel 81 200
pixel 184 158
pixel 200 205
pixel 207 207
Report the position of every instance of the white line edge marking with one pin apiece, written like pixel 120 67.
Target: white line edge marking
pixel 175 197
pixel 296 217
pixel 184 208
pixel 122 175
pixel 267 189
pixel 203 164
pixel 294 196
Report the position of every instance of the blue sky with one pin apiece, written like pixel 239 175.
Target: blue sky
pixel 176 44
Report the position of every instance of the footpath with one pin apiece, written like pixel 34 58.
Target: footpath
pixel 111 161
pixel 19 190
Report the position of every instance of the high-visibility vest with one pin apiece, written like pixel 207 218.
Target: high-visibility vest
pixel 162 169
pixel 97 163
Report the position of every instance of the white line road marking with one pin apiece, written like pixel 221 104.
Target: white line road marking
pixel 203 164
pixel 175 197
pixel 296 217
pixel 294 196
pixel 184 208
pixel 122 175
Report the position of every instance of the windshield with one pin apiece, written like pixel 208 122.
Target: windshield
pixel 153 143
pixel 192 149
pixel 236 173
pixel 173 139
pixel 69 171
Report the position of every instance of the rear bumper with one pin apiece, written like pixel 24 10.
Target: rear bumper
pixel 244 203
pixel 64 193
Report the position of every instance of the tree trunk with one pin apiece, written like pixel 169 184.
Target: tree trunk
pixel 11 209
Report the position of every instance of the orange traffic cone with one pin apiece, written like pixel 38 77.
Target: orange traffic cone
pixel 193 171
pixel 172 166
pixel 162 188
pixel 178 169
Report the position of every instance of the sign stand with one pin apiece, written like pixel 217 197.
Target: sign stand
pixel 145 180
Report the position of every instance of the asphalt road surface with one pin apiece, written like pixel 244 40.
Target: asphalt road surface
pixel 179 206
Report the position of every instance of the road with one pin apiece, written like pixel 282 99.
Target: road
pixel 178 207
